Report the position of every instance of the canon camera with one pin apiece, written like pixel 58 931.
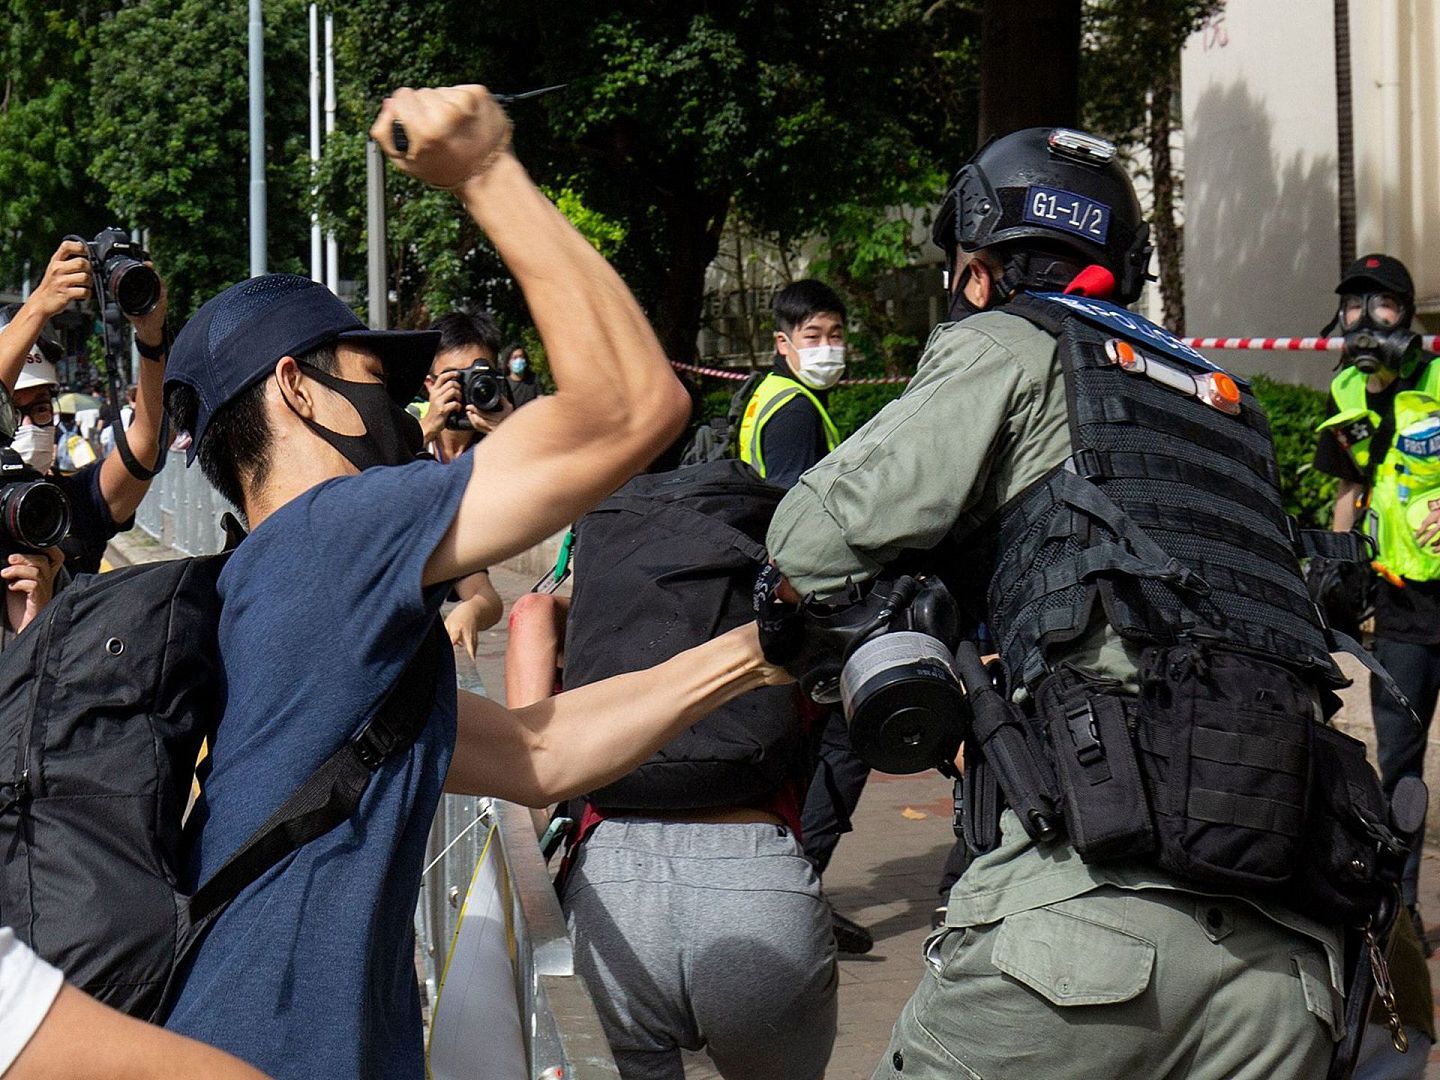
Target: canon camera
pixel 34 513
pixel 120 267
pixel 484 387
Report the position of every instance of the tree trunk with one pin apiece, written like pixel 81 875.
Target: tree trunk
pixel 1029 65
pixel 694 226
pixel 1345 135
pixel 1167 234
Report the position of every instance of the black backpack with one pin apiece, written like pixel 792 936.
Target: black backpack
pixel 667 562
pixel 714 439
pixel 104 703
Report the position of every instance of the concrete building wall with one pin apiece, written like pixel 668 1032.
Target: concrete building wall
pixel 1262 214
pixel 1261 234
pixel 1395 45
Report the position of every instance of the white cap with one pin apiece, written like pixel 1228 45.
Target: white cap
pixel 37 372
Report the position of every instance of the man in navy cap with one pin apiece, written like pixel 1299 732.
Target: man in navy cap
pixel 296 414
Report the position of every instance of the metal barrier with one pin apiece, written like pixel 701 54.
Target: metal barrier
pixel 182 510
pixel 560 1028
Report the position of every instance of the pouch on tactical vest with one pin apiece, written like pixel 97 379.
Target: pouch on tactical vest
pixel 1089 723
pixel 1226 743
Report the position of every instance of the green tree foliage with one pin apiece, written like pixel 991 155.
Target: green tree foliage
pixel 45 191
pixel 673 114
pixel 171 136
pixel 1295 412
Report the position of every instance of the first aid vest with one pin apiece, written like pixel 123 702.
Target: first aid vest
pixel 773 394
pixel 1404 485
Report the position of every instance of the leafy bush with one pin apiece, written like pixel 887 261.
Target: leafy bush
pixel 1295 412
pixel 852 406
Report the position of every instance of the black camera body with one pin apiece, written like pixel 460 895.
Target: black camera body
pixel 120 265
pixel 34 513
pixel 483 386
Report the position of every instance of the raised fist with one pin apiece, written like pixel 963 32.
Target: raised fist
pixel 451 134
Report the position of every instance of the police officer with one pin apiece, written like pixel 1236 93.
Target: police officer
pixel 1035 438
pixel 1382 439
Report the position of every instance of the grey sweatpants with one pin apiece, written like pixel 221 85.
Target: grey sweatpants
pixel 712 936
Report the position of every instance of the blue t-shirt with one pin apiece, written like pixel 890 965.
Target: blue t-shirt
pixel 311 971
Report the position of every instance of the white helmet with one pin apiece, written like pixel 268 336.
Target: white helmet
pixel 37 372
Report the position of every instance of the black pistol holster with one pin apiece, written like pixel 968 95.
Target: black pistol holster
pixel 1090 725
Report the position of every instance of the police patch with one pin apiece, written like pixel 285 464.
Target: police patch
pixel 1067 211
pixel 1126 324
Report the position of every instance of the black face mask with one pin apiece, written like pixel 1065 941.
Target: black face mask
pixel 392 436
pixel 960 305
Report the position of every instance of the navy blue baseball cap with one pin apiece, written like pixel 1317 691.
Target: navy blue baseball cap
pixel 236 339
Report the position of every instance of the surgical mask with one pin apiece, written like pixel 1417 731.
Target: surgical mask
pixel 35 443
pixel 819 366
pixel 392 436
pixel 518 365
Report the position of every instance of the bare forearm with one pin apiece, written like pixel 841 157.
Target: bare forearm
pixel 583 739
pixel 81 1038
pixel 16 340
pixel 598 343
pixel 1346 502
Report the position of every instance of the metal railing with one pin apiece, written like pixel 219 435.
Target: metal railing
pixel 560 1029
pixel 182 510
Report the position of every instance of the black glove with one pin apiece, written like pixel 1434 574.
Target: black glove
pixel 782 626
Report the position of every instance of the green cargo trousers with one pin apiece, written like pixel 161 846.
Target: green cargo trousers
pixel 1118 983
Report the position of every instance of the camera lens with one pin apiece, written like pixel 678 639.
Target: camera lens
pixel 135 287
pixel 483 390
pixel 34 515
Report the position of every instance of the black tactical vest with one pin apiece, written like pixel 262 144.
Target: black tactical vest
pixel 1167 513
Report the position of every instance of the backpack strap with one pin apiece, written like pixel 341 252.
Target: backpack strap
pixel 333 791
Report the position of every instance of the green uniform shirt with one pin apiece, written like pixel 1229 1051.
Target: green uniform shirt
pixel 984 417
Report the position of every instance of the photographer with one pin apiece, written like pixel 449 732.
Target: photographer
pixel 296 412
pixel 104 494
pixel 466 341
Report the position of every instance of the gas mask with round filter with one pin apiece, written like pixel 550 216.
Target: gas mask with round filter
pixel 887 655
pixel 1377 331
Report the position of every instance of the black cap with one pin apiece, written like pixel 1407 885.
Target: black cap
pixel 236 338
pixel 1377 273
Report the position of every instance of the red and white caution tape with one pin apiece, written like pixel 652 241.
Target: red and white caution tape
pixel 1253 344
pixel 1284 344
pixel 728 373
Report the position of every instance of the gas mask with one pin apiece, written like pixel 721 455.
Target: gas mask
pixel 888 658
pixel 1377 331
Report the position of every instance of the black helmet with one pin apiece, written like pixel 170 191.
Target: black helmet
pixel 1059 187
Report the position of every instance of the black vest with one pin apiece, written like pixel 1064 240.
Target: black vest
pixel 1167 514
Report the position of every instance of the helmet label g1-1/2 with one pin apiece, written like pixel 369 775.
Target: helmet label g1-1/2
pixel 1068 212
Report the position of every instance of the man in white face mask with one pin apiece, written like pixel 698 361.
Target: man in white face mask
pixel 786 428
pixel 35 391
